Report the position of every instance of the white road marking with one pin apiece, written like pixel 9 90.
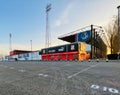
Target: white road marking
pixel 81 71
pixel 40 74
pixel 23 71
pixel 106 89
pixel 95 86
pixel 11 67
pixel 112 90
pixel 43 75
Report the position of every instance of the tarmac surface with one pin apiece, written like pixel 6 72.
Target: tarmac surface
pixel 60 78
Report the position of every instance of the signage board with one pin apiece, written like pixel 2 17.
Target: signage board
pixel 43 51
pixel 73 47
pixel 57 49
pixel 84 36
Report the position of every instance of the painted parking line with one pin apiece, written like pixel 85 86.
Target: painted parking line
pixel 84 70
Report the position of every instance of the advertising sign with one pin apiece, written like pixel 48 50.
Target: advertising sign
pixel 73 47
pixel 56 49
pixel 43 51
pixel 61 49
pixel 84 36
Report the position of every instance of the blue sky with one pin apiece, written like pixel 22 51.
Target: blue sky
pixel 26 20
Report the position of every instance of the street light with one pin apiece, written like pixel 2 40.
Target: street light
pixel 118 28
pixel 31 48
pixel 31 44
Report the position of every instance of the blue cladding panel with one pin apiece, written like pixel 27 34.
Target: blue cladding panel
pixel 84 36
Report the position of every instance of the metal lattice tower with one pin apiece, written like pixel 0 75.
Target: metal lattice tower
pixel 48 34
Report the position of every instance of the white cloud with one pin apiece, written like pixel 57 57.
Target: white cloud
pixel 64 18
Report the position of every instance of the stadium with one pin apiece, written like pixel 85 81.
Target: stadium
pixel 76 49
pixel 77 67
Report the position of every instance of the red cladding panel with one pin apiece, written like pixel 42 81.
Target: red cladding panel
pixel 48 57
pixel 60 56
pixel 44 57
pixel 71 55
pixel 12 53
pixel 63 57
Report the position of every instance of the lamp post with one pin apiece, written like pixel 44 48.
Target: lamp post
pixel 31 44
pixel 10 36
pixel 31 48
pixel 91 41
pixel 118 28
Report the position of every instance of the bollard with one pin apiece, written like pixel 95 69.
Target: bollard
pixel 106 60
pixel 89 60
pixel 97 60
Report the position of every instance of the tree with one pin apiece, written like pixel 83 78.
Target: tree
pixel 112 35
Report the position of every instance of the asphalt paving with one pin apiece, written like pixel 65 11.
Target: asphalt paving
pixel 60 78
